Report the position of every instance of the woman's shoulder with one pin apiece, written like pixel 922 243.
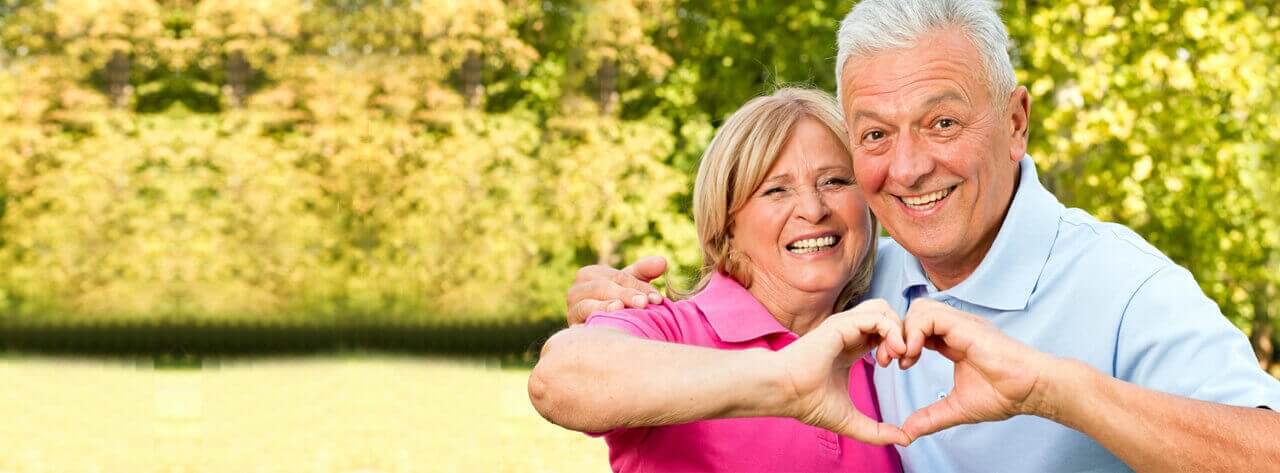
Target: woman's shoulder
pixel 670 320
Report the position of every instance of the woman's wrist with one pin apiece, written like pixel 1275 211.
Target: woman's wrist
pixel 765 389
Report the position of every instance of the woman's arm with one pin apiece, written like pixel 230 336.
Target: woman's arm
pixel 594 379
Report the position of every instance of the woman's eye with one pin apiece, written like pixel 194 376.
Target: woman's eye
pixel 773 191
pixel 837 181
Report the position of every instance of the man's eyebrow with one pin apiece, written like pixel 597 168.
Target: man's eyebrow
pixel 943 97
pixel 949 95
pixel 860 114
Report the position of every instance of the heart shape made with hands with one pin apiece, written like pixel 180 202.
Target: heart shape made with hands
pixel 995 376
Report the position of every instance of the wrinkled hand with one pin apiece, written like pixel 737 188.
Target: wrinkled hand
pixel 996 377
pixel 599 288
pixel 817 368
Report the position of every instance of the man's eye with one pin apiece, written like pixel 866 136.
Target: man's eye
pixel 944 123
pixel 873 135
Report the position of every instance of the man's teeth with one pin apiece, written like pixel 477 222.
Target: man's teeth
pixel 923 200
pixel 812 244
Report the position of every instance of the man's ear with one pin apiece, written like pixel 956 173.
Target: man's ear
pixel 1018 112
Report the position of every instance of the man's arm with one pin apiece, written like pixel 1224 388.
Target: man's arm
pixel 997 377
pixel 596 379
pixel 1153 431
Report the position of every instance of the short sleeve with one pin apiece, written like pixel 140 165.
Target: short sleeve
pixel 1175 339
pixel 654 322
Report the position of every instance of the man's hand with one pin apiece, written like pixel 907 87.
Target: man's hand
pixel 599 288
pixel 816 366
pixel 996 377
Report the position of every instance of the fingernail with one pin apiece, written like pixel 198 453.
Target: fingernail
pixel 639 301
pixel 614 306
pixel 655 298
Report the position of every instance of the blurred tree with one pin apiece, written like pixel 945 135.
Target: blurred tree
pixel 473 34
pixel 242 33
pixel 423 159
pixel 115 37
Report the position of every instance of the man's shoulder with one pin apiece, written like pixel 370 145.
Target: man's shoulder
pixel 1110 248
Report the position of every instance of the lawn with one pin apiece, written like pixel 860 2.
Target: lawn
pixel 344 414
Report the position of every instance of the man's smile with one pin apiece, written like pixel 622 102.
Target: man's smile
pixel 927 201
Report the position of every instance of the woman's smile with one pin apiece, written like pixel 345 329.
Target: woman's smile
pixel 822 244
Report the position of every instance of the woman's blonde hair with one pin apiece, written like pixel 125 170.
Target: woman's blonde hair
pixel 734 165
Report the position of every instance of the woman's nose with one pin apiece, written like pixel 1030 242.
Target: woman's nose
pixel 813 206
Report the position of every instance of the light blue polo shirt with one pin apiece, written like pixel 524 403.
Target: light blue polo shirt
pixel 1065 283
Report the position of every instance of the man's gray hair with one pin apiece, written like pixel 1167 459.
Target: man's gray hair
pixel 874 26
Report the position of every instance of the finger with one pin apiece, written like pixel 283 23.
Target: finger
pixel 639 294
pixel 925 319
pixel 594 272
pixel 933 418
pixel 647 269
pixel 584 308
pixel 862 330
pixel 860 427
pixel 892 344
pixel 607 289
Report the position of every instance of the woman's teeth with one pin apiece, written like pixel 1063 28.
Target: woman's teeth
pixel 926 201
pixel 812 245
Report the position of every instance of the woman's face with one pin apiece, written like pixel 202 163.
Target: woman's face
pixel 805 227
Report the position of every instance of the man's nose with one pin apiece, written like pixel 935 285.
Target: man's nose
pixel 910 163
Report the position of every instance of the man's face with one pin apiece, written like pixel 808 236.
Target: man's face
pixel 935 156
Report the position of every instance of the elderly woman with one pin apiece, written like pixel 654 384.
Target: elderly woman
pixel 752 372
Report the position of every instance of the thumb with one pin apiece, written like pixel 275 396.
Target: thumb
pixel 584 308
pixel 861 428
pixel 934 418
pixel 647 269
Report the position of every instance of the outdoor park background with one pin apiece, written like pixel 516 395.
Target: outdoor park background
pixel 322 163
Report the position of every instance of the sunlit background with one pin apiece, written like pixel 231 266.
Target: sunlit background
pixel 194 169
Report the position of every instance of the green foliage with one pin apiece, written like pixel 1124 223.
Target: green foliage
pixel 398 159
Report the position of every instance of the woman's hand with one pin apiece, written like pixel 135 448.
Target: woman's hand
pixel 817 369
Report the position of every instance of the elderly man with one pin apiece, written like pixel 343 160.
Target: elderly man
pixel 1040 338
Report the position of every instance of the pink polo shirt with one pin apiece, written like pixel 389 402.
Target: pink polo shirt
pixel 725 316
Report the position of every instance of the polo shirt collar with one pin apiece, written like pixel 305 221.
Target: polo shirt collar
pixel 734 314
pixel 1008 274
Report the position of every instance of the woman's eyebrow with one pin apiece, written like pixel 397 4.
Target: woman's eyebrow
pixel 834 167
pixel 777 178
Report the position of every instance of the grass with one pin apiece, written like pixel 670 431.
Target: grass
pixel 347 414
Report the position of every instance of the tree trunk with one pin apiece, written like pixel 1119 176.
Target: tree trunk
pixel 238 72
pixel 607 87
pixel 1263 331
pixel 118 79
pixel 472 89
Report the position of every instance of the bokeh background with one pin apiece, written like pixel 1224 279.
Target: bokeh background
pixel 203 164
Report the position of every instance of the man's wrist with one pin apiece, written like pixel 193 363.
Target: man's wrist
pixel 1062 387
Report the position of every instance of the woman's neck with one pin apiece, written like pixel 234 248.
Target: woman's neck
pixel 796 310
